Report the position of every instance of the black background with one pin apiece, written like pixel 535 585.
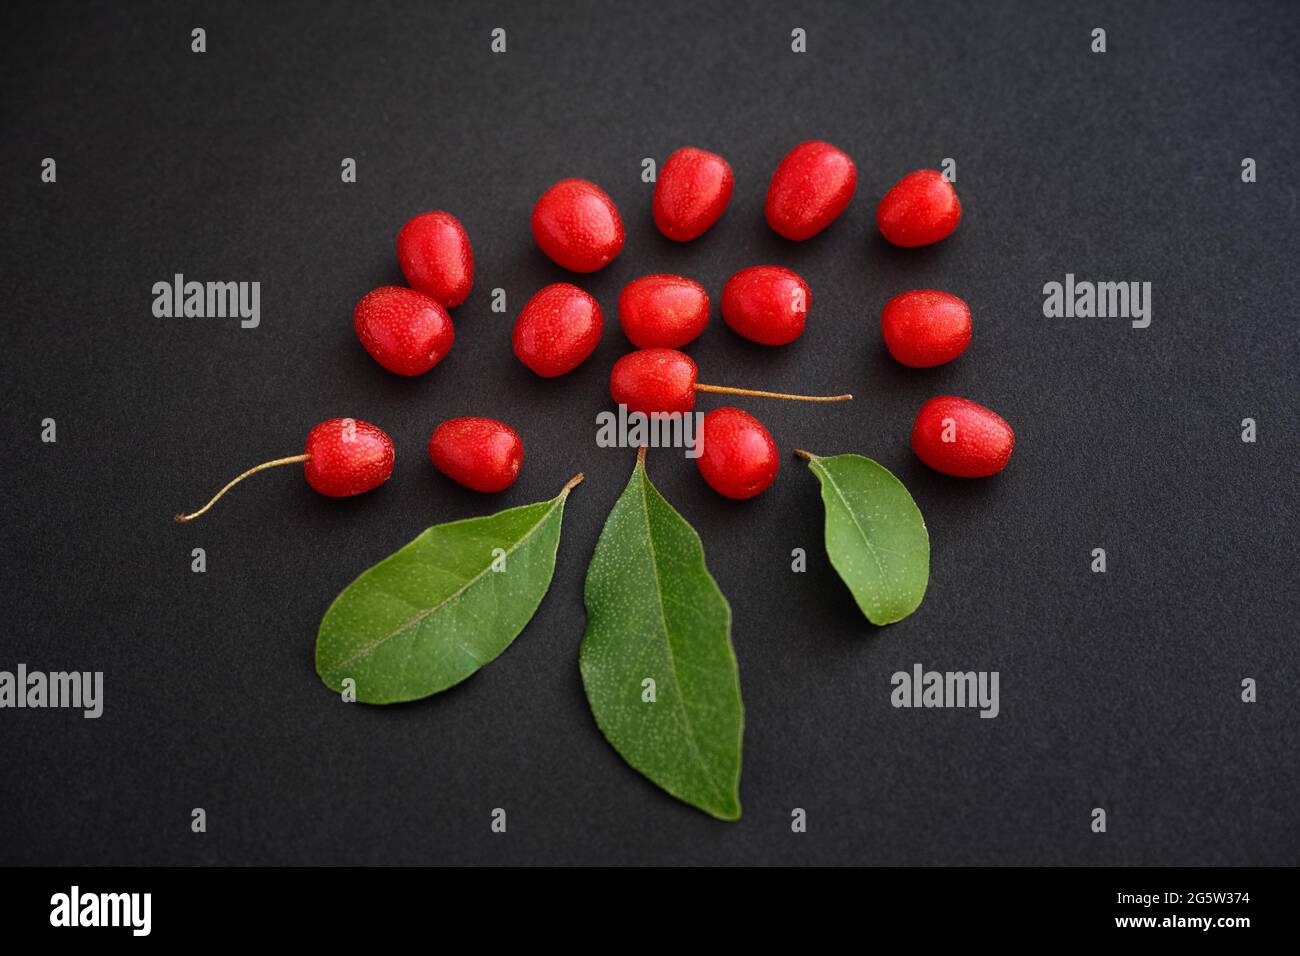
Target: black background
pixel 1118 691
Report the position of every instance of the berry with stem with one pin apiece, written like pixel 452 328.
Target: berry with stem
pixel 663 380
pixel 342 457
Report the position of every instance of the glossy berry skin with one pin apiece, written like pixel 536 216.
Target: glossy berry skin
pixel 810 188
pixel 766 304
pixel 981 441
pixel 925 327
pixel 434 252
pixel 479 453
pixel 663 311
pixel 557 330
pixel 347 457
pixel 921 208
pixel 654 380
pixel 577 225
pixel 691 193
pixel 739 458
pixel 403 330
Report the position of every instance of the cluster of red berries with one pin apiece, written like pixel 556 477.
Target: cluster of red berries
pixel 409 330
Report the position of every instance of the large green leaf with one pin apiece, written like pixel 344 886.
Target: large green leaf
pixel 655 614
pixel 433 613
pixel 875 535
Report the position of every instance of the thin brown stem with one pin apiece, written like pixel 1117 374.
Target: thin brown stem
pixel 640 455
pixel 806 454
pixel 572 483
pixel 252 471
pixel 755 393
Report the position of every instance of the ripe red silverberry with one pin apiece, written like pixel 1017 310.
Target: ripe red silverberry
pixel 766 304
pixel 958 437
pixel 810 188
pixel 739 457
pixel 557 329
pixel 343 457
pixel 925 327
pixel 921 208
pixel 434 252
pixel 691 193
pixel 663 380
pixel 654 380
pixel 664 311
pixel 479 453
pixel 405 331
pixel 577 225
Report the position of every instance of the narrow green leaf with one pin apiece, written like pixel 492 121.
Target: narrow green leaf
pixel 875 535
pixel 433 613
pixel 655 614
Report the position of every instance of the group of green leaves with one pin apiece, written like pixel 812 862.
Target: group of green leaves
pixel 656 660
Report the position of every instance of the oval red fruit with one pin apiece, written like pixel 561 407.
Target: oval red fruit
pixel 479 453
pixel 925 327
pixel 557 329
pixel 810 188
pixel 739 457
pixel 347 457
pixel 766 304
pixel 663 311
pixel 434 252
pixel 691 193
pixel 405 331
pixel 654 380
pixel 921 208
pixel 577 225
pixel 958 437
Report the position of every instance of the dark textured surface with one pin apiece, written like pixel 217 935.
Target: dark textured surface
pixel 1118 690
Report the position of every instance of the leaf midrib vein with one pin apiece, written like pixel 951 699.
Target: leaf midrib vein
pixel 406 626
pixel 668 644
pixel 862 531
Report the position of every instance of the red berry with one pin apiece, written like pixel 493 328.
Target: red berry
pixel 403 330
pixel 925 327
pixel 921 208
pixel 479 453
pixel 739 458
pixel 347 457
pixel 577 225
pixel 664 311
pixel 809 190
pixel 691 193
pixel 958 437
pixel 766 304
pixel 434 253
pixel 557 330
pixel 654 380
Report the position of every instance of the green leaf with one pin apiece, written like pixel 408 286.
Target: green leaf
pixel 875 535
pixel 433 613
pixel 654 613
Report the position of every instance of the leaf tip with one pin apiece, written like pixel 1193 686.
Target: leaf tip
pixel 572 483
pixel 640 456
pixel 728 814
